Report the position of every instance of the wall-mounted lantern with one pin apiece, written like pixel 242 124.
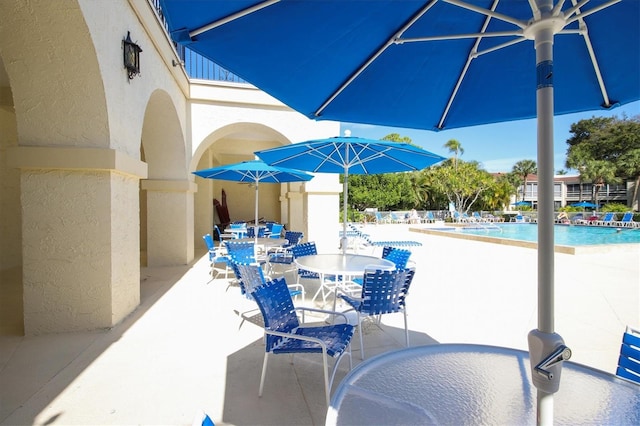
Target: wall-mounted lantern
pixel 131 56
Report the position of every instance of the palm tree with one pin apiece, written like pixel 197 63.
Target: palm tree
pixel 523 169
pixel 456 147
pixel 599 172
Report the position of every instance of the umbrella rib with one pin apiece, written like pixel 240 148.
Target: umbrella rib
pixel 467 64
pixel 587 40
pixel 372 58
pixel 489 13
pixel 231 17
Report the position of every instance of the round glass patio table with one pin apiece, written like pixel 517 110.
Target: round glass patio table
pixel 475 384
pixel 342 267
pixel 263 241
pixel 351 265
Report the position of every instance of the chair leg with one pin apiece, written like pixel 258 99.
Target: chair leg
pixel 361 338
pixel 264 371
pixel 406 328
pixel 326 375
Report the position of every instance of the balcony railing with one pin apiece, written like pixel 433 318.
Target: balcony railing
pixel 196 65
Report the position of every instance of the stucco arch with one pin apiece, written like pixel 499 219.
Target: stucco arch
pixel 230 144
pixel 54 73
pixel 162 139
pixel 237 139
pixel 166 200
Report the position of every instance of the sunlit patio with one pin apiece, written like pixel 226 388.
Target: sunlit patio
pixel 183 350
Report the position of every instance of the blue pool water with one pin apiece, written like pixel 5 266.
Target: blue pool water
pixel 563 235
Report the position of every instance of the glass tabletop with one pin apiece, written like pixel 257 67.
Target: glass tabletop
pixel 463 384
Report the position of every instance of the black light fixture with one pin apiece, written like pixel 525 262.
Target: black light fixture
pixel 131 56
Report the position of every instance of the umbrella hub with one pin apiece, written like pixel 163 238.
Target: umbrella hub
pixel 555 24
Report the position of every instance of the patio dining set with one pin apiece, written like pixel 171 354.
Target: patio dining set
pixel 274 268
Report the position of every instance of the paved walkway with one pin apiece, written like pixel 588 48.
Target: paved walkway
pixel 182 350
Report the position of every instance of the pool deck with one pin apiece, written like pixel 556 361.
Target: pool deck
pixel 183 351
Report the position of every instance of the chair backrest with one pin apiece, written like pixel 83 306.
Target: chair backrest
pixel 385 291
pixel 430 215
pixel 293 237
pixel 276 230
pixel 608 217
pixel 627 217
pixel 629 360
pixel 398 256
pixel 217 231
pixel 208 240
pixel 241 252
pixel 274 300
pixel 304 249
pixel 251 231
pixel 251 276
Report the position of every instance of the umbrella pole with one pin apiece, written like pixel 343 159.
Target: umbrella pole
pixel 546 348
pixel 345 188
pixel 255 231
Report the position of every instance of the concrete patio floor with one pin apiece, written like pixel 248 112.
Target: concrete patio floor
pixel 182 350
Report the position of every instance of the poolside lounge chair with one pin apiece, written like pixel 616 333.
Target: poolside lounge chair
pixel 629 360
pixel 607 220
pixel 626 221
pixel 284 334
pixel 578 219
pixel 429 217
pixel 397 219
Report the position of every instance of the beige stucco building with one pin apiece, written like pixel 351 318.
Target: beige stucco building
pixel 96 168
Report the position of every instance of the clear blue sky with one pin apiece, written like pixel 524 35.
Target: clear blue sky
pixel 497 146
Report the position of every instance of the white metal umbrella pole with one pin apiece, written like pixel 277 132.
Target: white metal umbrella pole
pixel 546 348
pixel 345 188
pixel 255 230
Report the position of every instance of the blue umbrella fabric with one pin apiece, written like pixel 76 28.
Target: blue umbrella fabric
pixel 522 203
pixel 584 204
pixel 255 172
pixel 434 65
pixel 415 63
pixel 350 155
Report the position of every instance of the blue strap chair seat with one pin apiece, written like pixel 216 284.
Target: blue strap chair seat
pixel 283 255
pixel 285 334
pixel 383 292
pixel 629 360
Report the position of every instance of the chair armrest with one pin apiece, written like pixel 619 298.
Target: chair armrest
pixel 298 337
pixel 322 311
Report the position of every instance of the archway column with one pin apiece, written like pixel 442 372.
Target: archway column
pixel 320 204
pixel 80 244
pixel 170 216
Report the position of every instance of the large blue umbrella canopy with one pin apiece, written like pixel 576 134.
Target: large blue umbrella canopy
pixel 255 172
pixel 350 155
pixel 434 65
pixel 522 203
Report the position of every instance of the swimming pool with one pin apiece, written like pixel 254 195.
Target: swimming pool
pixel 563 234
pixel 568 239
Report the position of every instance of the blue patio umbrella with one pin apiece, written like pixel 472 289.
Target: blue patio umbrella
pixel 584 204
pixel 350 155
pixel 255 172
pixel 522 203
pixel 434 65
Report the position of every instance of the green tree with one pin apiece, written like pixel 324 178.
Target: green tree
pixel 462 187
pixel 611 140
pixel 523 169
